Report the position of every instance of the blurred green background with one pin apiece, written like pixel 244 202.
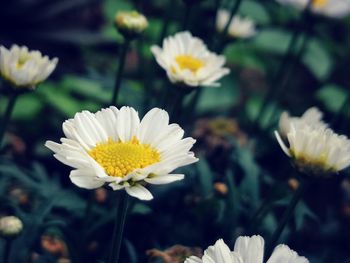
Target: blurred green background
pixel 241 165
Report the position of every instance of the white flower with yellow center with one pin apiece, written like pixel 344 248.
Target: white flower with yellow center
pixel 315 149
pixel 25 68
pixel 239 27
pixel 331 8
pixel 187 60
pixel 113 146
pixel 246 250
pixel 311 117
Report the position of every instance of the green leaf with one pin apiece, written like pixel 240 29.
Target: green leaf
pixel 219 99
pixel 302 212
pixel 317 59
pixel 244 55
pixel 205 176
pixel 274 41
pixel 27 106
pixel 332 97
pixel 254 10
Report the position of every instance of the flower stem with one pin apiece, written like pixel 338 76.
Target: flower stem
pixel 7 115
pixel 286 216
pixel 122 209
pixel 259 215
pixel 286 68
pixel 123 51
pixel 278 75
pixel 234 11
pixel 7 250
pixel 221 39
pixel 188 11
pixel 166 21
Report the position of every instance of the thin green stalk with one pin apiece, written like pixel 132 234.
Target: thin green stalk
pixel 278 75
pixel 234 11
pixel 166 22
pixel 175 106
pixel 186 20
pixel 7 250
pixel 286 216
pixel 289 73
pixel 122 210
pixel 259 215
pixel 7 115
pixel 174 100
pixel 123 51
pixel 285 67
pixel 218 47
pixel 192 104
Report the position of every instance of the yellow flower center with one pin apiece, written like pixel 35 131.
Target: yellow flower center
pixel 319 3
pixel 189 62
pixel 121 158
pixel 21 61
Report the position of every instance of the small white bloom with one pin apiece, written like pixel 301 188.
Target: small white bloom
pixel 116 147
pixel 246 250
pixel 312 117
pixel 10 226
pixel 187 60
pixel 331 8
pixel 25 68
pixel 131 22
pixel 239 27
pixel 315 149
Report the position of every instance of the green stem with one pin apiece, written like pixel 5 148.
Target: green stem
pixel 286 216
pixel 7 250
pixel 278 75
pixel 289 73
pixel 221 39
pixel 7 115
pixel 117 237
pixel 166 22
pixel 234 11
pixel 188 11
pixel 176 96
pixel 285 67
pixel 123 51
pixel 259 215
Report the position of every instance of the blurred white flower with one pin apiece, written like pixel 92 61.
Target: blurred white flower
pixel 312 117
pixel 10 226
pixel 331 8
pixel 239 27
pixel 25 68
pixel 131 23
pixel 246 250
pixel 113 146
pixel 315 149
pixel 187 60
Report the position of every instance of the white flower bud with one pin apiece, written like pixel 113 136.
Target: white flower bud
pixel 10 226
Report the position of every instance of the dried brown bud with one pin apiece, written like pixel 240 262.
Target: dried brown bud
pixel 221 188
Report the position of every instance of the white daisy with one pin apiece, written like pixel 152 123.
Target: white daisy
pixel 316 150
pixel 331 8
pixel 188 61
pixel 113 146
pixel 25 68
pixel 239 27
pixel 312 117
pixel 247 250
